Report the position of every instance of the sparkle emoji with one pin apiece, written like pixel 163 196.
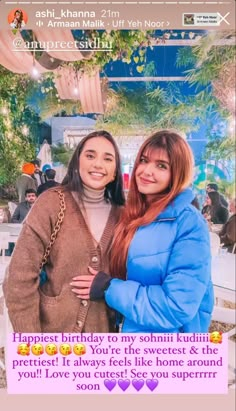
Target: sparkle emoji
pixel 79 349
pixel 65 349
pixel 23 349
pixel 216 337
pixel 37 349
pixel 51 349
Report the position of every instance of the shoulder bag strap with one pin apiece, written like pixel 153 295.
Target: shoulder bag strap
pixel 56 229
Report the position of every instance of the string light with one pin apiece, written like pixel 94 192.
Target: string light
pixel 35 72
pixel 232 126
pixel 4 110
pixel 25 130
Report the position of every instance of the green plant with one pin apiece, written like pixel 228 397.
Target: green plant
pixel 221 148
pixel 61 153
pixel 13 152
pixel 18 126
pixel 147 109
pixel 208 57
pixel 127 46
pixel 46 99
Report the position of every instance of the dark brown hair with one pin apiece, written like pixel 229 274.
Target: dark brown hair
pixel 72 181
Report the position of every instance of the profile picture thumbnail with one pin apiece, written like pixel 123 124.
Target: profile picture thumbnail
pixel 17 18
pixel 189 19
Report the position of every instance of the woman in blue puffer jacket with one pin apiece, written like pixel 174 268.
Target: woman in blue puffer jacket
pixel 160 260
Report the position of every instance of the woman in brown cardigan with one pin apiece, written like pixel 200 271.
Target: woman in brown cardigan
pixel 93 197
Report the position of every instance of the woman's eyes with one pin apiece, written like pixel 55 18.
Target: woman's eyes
pixel 91 157
pixel 163 166
pixel 158 165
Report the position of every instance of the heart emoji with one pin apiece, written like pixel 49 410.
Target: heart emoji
pixel 138 384
pixel 152 384
pixel 124 384
pixel 110 384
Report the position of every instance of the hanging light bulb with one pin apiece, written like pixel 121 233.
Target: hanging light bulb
pixel 182 34
pixel 231 127
pixel 4 110
pixel 233 98
pixel 76 91
pixel 25 130
pixel 35 72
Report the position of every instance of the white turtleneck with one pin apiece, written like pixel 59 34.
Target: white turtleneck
pixel 95 210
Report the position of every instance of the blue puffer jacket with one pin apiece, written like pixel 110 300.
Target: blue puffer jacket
pixel 168 287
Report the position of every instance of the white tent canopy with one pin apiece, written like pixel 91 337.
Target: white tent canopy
pixel 45 154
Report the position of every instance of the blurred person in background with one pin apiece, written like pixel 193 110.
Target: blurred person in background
pixel 228 232
pixel 50 175
pixel 216 213
pixel 24 207
pixel 38 174
pixel 212 187
pixel 25 181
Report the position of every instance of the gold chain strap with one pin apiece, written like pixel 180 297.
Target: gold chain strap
pixel 60 218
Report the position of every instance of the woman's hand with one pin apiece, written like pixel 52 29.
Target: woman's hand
pixel 91 286
pixel 83 284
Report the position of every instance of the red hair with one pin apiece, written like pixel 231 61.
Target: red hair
pixel 137 211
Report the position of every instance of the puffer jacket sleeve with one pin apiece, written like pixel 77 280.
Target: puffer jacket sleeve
pixel 177 300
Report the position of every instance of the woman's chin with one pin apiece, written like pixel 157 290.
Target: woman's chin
pixel 95 185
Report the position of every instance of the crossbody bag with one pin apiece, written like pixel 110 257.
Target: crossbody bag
pixel 56 229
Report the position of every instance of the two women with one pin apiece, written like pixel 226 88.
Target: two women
pixel 82 214
pixel 160 260
pixel 160 253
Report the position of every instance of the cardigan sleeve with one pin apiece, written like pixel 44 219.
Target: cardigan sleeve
pixel 176 301
pixel 22 278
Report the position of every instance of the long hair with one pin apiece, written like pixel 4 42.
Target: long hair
pixel 19 22
pixel 215 203
pixel 72 181
pixel 215 198
pixel 137 211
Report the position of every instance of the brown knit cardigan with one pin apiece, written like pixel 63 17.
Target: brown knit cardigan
pixel 54 307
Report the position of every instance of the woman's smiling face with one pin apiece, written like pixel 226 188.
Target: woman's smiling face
pixel 153 174
pixel 97 163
